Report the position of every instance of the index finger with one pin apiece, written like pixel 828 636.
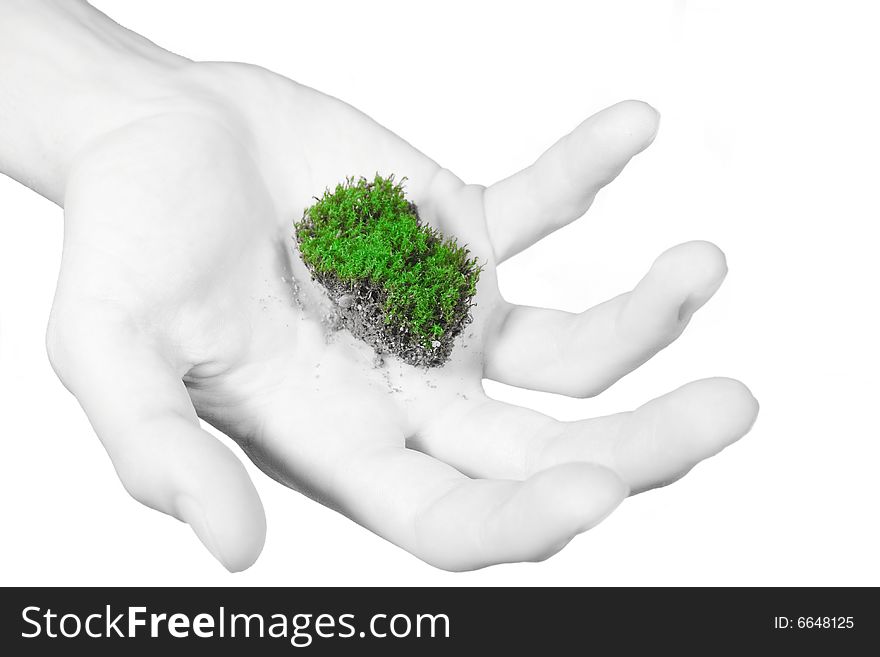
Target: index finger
pixel 561 185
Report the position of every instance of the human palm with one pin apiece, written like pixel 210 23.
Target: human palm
pixel 181 296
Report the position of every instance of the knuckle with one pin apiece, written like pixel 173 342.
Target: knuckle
pixel 77 338
pixel 61 338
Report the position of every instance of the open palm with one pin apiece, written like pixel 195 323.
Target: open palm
pixel 181 296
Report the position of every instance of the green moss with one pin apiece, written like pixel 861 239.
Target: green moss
pixel 365 235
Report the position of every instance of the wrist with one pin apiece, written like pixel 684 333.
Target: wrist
pixel 69 74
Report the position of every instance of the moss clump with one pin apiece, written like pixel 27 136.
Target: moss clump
pixel 398 284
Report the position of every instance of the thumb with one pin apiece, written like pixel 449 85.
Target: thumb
pixel 142 413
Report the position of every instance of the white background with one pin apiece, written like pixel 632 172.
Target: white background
pixel 768 147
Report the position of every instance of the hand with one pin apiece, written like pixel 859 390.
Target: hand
pixel 181 296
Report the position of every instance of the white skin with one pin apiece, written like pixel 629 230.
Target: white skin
pixel 180 182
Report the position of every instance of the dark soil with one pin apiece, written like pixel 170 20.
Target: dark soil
pixel 360 309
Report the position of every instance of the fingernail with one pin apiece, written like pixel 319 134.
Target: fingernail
pixel 191 513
